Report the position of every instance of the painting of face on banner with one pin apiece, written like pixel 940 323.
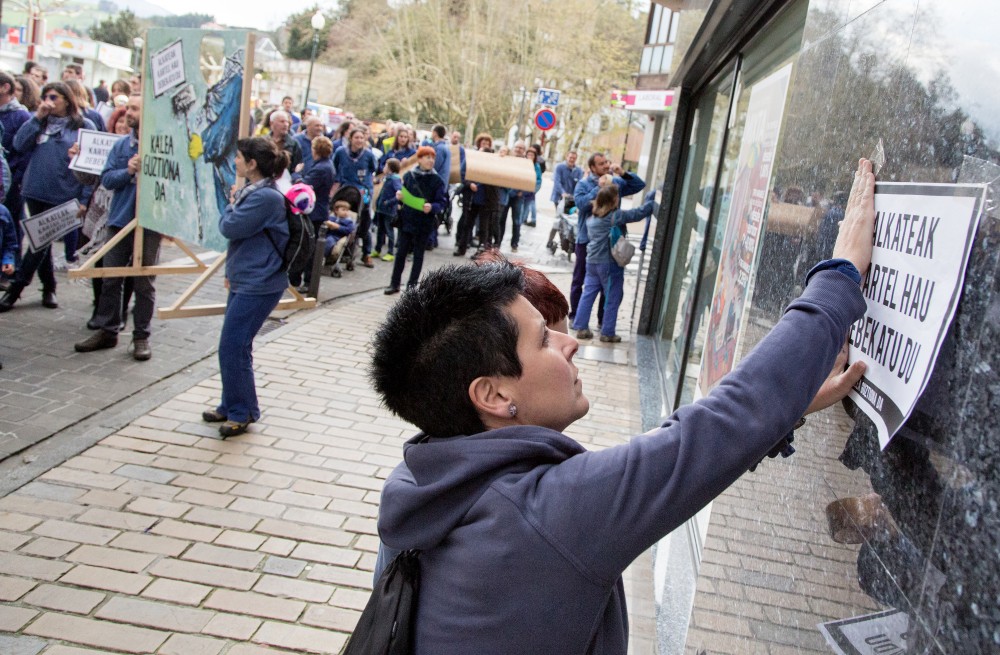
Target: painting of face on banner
pixel 923 236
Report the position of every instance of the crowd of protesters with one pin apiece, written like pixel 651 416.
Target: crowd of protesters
pixel 404 181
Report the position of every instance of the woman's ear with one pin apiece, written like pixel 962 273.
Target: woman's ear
pixel 491 400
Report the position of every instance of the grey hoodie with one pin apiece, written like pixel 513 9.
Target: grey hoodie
pixel 525 534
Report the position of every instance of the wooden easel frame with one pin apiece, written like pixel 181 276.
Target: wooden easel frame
pixel 179 308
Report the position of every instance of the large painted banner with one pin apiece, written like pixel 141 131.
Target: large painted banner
pixel 743 225
pixel 923 236
pixel 192 98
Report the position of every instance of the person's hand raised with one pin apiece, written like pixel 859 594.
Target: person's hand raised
pixel 854 242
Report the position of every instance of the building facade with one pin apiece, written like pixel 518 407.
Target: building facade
pixel 800 89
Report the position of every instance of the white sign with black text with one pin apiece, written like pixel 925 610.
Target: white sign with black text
pixel 167 68
pixel 94 150
pixel 882 633
pixel 923 236
pixel 45 227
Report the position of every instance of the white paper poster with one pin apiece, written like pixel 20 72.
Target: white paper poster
pixel 94 150
pixel 47 226
pixel 923 236
pixel 883 633
pixel 166 67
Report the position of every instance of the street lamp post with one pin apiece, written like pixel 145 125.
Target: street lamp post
pixel 318 21
pixel 138 43
pixel 520 114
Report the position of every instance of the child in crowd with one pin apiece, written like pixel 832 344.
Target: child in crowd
pixel 603 272
pixel 386 208
pixel 339 228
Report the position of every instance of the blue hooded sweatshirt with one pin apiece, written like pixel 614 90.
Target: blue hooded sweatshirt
pixel 525 534
pixel 48 178
pixel 586 190
pixel 253 261
pixel 116 177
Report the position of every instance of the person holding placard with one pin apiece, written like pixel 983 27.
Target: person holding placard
pixel 119 176
pixel 48 181
pixel 424 194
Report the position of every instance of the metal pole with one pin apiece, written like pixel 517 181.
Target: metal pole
pixel 628 128
pixel 312 61
pixel 520 114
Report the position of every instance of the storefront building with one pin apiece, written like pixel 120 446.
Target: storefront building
pixel 774 102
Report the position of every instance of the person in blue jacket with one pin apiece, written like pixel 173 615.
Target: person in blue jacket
pixel 402 148
pixel 8 244
pixel 355 165
pixel 422 183
pixel 523 533
pixel 12 116
pixel 583 195
pixel 386 209
pixel 48 182
pixel 320 177
pixel 313 128
pixel 119 176
pixel 603 272
pixel 255 224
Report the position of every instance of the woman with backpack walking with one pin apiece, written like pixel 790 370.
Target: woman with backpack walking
pixel 256 226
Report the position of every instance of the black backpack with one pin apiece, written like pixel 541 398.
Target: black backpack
pixel 301 245
pixel 386 625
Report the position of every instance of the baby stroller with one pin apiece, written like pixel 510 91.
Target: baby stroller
pixel 346 247
pixel 566 228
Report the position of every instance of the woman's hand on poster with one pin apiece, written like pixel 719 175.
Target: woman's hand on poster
pixel 839 383
pixel 298 169
pixel 133 165
pixel 854 242
pixel 81 211
pixel 74 150
pixel 427 208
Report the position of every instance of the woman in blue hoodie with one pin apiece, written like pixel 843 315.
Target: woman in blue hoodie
pixel 603 272
pixel 255 224
pixel 48 182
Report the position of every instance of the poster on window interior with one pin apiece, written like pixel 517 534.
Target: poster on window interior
pixel 881 633
pixel 193 96
pixel 923 236
pixel 751 187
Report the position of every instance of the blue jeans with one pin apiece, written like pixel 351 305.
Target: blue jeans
pixel 609 277
pixel 245 314
pixel 384 231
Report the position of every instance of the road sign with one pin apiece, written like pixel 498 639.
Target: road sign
pixel 545 119
pixel 548 97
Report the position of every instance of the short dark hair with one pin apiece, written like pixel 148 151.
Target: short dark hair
pixel 439 130
pixel 286 98
pixel 5 78
pixel 442 335
pixel 538 288
pixel 593 158
pixel 76 68
pixel 393 164
pixel 271 161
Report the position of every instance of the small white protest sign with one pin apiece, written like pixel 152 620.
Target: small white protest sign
pixel 923 236
pixel 45 227
pixel 166 67
pixel 94 150
pixel 882 633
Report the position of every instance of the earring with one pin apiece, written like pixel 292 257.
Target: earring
pixel 512 410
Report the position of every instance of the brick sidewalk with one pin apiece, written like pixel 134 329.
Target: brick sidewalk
pixel 163 539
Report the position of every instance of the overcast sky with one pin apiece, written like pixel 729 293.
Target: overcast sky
pixel 261 14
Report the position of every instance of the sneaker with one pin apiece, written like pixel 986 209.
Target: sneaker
pixel 513 248
pixel 585 333
pixel 390 290
pixel 100 340
pixel 233 428
pixel 610 338
pixel 141 351
pixel 388 257
pixel 49 299
pixel 303 288
pixel 213 416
